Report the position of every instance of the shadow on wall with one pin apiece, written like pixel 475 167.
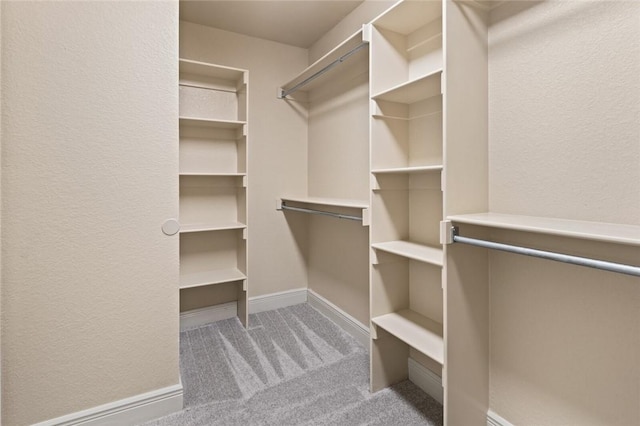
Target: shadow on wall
pixel 509 9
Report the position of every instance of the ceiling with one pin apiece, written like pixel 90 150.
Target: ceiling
pixel 297 23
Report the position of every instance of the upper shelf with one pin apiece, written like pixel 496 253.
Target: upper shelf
pixel 334 202
pixel 208 76
pixel 597 231
pixel 414 90
pixel 411 169
pixel 328 61
pixel 406 17
pixel 206 122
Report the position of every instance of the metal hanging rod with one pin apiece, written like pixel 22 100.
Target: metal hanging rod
pixel 284 93
pixel 321 212
pixel 549 255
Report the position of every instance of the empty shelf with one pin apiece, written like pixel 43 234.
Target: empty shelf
pixel 417 331
pixel 197 279
pixel 212 174
pixel 597 231
pixel 206 122
pixel 414 169
pixel 206 227
pixel 414 90
pixel 209 70
pixel 423 253
pixel 324 63
pixel 336 202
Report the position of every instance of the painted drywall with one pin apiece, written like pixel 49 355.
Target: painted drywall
pixel 89 161
pixel 564 105
pixel 351 23
pixel 338 167
pixel 564 91
pixel 277 150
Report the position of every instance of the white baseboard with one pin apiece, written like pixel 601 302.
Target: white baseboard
pixel 426 380
pixel 129 411
pixel 355 328
pixel 278 300
pixel 495 420
pixel 198 317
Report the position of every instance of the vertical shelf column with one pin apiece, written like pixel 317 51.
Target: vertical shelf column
pixel 213 185
pixel 406 106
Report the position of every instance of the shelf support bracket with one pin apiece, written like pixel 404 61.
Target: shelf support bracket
pixel 447 231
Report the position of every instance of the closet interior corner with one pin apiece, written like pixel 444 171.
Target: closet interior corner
pixel 373 152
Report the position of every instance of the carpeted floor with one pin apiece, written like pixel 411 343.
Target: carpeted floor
pixel 293 366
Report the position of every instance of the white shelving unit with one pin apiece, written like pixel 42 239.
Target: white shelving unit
pixel 213 178
pixel 406 121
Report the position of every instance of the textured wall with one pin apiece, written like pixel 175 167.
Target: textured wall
pixel 89 162
pixel 565 110
pixel 277 150
pixel 564 132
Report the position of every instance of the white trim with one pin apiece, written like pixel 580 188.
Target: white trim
pixel 426 380
pixel 277 300
pixel 355 328
pixel 198 317
pixel 129 411
pixel 495 420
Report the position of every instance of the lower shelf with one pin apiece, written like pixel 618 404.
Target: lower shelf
pixel 420 252
pixel 219 276
pixel 222 226
pixel 420 332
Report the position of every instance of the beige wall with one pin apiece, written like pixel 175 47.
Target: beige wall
pixel 338 167
pixel 277 150
pixel 564 134
pixel 89 161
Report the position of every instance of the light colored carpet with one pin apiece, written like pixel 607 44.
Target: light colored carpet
pixel 293 366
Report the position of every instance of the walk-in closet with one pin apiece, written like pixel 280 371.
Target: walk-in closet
pixel 329 212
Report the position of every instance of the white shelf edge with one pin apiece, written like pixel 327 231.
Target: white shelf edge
pixel 325 60
pixel 219 276
pixel 418 331
pixel 596 231
pixel 335 202
pixel 420 252
pixel 208 122
pixel 395 117
pixel 208 227
pixel 407 84
pixel 415 169
pixel 212 174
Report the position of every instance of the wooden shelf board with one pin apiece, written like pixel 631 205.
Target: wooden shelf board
pixel 597 231
pixel 198 279
pixel 350 43
pixel 187 66
pixel 406 17
pixel 413 169
pixel 413 91
pixel 420 252
pixel 206 227
pixel 212 174
pixel 416 330
pixel 337 202
pixel 205 122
